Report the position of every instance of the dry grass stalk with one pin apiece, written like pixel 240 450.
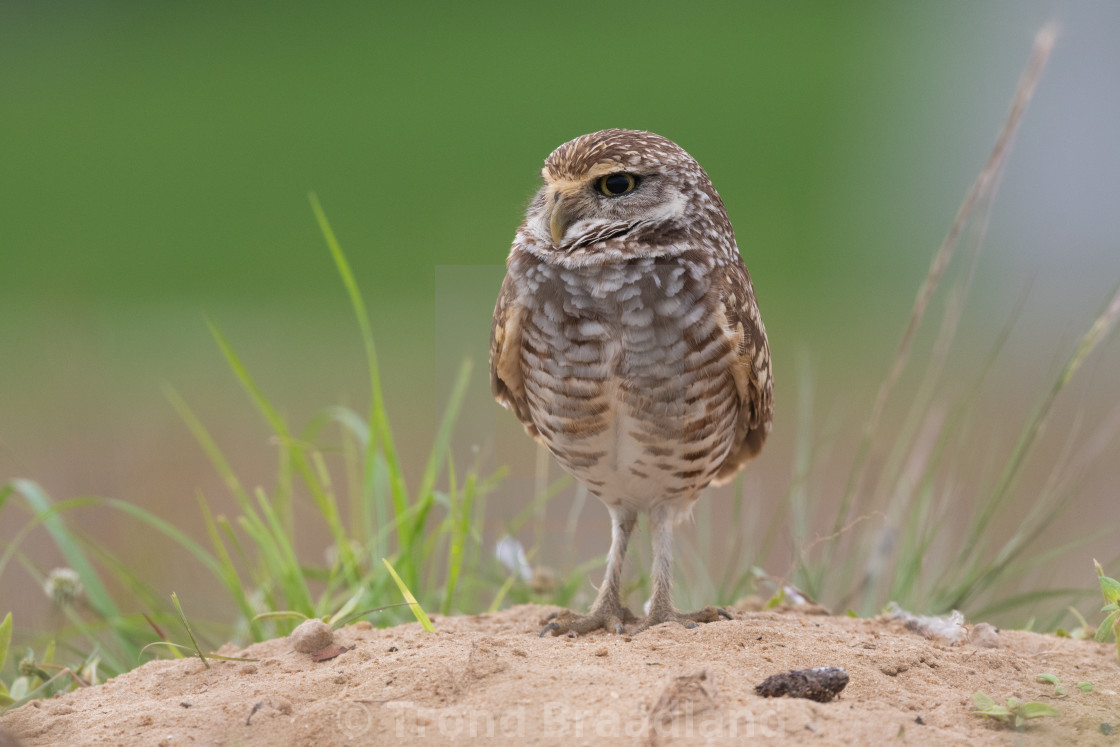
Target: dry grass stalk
pixel 981 191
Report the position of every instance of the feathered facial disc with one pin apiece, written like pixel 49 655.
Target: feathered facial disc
pixel 616 183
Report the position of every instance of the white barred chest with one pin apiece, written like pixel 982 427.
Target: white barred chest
pixel 627 376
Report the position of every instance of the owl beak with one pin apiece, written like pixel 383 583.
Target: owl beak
pixel 562 218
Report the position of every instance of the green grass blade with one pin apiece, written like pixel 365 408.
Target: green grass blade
pixel 379 420
pixel 281 615
pixel 1105 627
pixel 503 591
pixel 546 495
pixel 275 421
pixel 344 417
pixel 270 414
pixel 295 457
pixel 180 647
pixel 350 605
pixel 438 456
pixel 70 548
pixel 228 571
pixel 460 533
pixel 209 446
pixel 5 639
pixel 169 530
pixel 1097 332
pixel 284 556
pixel 187 625
pixel 425 497
pixel 417 610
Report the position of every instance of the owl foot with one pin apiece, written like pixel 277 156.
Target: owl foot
pixel 687 619
pixel 610 619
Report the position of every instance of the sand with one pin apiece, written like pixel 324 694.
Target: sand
pixel 490 678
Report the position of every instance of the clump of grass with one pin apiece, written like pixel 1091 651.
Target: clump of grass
pixel 33 676
pixel 6 698
pixel 1110 588
pixel 193 648
pixel 894 535
pixel 417 610
pixel 387 539
pixel 1059 689
pixel 1015 713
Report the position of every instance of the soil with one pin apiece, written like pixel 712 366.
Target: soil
pixel 490 678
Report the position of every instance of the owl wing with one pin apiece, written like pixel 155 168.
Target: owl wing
pixel 506 381
pixel 750 367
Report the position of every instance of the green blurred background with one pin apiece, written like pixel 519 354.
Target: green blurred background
pixel 155 160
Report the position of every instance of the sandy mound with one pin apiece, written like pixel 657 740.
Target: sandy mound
pixel 491 677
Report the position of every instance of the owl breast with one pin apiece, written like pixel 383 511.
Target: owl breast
pixel 627 376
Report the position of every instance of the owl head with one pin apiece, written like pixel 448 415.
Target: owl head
pixel 623 194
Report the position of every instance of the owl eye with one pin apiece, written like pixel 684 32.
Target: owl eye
pixel 613 185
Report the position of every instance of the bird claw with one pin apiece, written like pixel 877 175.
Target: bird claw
pixel 689 620
pixel 566 621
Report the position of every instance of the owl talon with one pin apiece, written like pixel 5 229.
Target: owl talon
pixel 552 626
pixel 612 620
pixel 689 620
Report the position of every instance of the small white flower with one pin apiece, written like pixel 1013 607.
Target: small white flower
pixel 63 586
pixel 511 554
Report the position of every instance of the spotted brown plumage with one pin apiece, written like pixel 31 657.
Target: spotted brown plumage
pixel 627 340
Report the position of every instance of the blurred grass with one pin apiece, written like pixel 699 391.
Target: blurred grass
pixel 158 163
pixel 164 153
pixel 272 585
pixel 160 157
pixel 253 555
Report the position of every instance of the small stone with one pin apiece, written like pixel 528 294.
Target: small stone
pixel 984 635
pixel 601 651
pixel 311 635
pixel 821 684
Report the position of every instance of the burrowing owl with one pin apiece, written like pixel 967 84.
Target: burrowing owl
pixel 627 340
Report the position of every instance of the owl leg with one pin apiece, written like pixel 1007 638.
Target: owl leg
pixel 606 611
pixel 661 605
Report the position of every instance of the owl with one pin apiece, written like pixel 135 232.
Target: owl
pixel 627 340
